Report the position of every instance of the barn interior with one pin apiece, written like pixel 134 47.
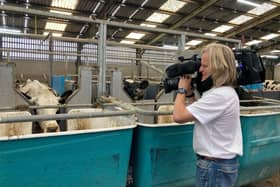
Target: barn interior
pixel 108 59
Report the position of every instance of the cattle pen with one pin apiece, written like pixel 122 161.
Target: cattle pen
pixel 105 107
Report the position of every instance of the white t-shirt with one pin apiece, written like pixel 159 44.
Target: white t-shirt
pixel 217 131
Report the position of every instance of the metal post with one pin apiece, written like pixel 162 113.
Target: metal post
pixel 181 43
pixel 1 46
pixel 79 60
pixel 51 58
pixel 138 64
pixel 102 59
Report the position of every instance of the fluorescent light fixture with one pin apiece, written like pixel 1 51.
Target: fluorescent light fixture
pixel 194 42
pixel 68 4
pixel 248 3
pixel 277 1
pixel 55 34
pixel 269 36
pixel 157 17
pixel 275 51
pixel 240 19
pixel 253 42
pixel 135 35
pixel 127 42
pixel 148 25
pixel 6 30
pixel 55 26
pixel 265 7
pixel 187 47
pixel 170 47
pixel 222 28
pixel 270 56
pixel 172 5
pixel 61 12
pixel 210 34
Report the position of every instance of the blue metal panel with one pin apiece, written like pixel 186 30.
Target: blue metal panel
pixel 261 142
pixel 77 160
pixel 163 156
pixel 58 83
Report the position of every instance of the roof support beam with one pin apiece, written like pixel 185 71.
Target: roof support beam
pixel 250 24
pixel 185 19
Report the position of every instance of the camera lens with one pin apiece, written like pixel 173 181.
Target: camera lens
pixel 171 84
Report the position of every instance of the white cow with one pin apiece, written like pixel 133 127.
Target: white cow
pixel 42 95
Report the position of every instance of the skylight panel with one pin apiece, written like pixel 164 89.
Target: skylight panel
pixel 253 42
pixel 269 36
pixel 68 4
pixel 157 17
pixel 172 5
pixel 210 34
pixel 127 42
pixel 55 26
pixel 148 25
pixel 61 12
pixel 194 42
pixel 265 7
pixel 249 3
pixel 222 28
pixel 135 35
pixel 55 34
pixel 240 19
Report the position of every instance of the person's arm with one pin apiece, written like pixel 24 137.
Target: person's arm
pixel 180 113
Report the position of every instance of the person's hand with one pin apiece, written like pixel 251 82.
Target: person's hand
pixel 185 82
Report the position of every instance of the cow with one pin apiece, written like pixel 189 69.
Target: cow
pixel 135 90
pixel 271 85
pixel 40 94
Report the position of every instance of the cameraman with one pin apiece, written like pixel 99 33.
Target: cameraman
pixel 217 138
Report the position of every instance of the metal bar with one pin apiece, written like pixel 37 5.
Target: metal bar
pixel 50 106
pixel 182 43
pixel 151 67
pixel 63 116
pixel 260 107
pixel 102 59
pixel 51 57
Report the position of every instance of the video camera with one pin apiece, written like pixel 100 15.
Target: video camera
pixel 250 70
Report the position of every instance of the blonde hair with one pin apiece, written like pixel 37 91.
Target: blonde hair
pixel 222 64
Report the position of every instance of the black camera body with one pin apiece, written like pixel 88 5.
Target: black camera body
pixel 174 71
pixel 250 70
